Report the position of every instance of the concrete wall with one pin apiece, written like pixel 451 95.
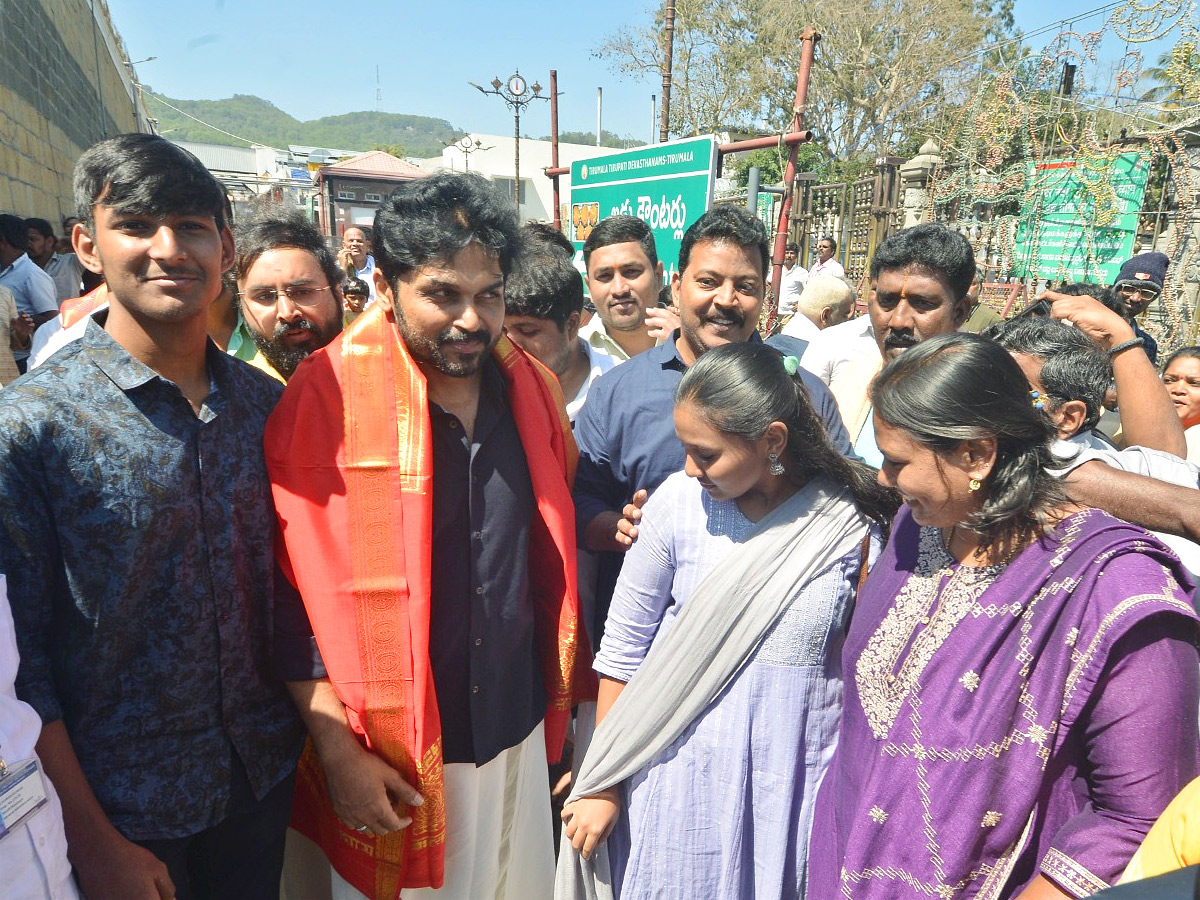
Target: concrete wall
pixel 63 86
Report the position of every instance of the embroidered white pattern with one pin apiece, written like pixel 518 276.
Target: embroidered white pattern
pixel 970 681
pixel 886 674
pixel 877 815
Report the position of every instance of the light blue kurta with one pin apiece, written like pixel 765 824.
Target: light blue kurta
pixel 726 810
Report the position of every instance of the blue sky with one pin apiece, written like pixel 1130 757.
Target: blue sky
pixel 315 59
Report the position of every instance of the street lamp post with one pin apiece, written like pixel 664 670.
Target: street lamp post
pixel 518 95
pixel 466 146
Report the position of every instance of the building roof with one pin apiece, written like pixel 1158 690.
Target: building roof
pixel 375 164
pixel 221 157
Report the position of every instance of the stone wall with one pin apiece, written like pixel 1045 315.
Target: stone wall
pixel 63 86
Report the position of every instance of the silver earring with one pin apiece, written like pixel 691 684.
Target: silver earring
pixel 776 465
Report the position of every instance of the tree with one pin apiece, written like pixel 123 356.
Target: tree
pixel 771 162
pixel 396 150
pixel 607 139
pixel 1174 81
pixel 883 68
pixel 712 62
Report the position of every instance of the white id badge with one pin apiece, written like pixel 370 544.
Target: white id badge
pixel 22 793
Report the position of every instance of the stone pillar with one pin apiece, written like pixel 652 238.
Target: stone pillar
pixel 914 183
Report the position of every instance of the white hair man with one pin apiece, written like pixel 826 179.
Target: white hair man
pixel 826 300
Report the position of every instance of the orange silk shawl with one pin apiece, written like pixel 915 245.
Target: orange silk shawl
pixel 71 311
pixel 348 451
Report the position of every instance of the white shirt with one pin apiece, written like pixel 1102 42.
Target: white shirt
pixel 599 362
pixel 790 286
pixel 33 857
pixel 50 337
pixel 596 336
pixel 839 344
pixel 802 327
pixel 830 267
pixel 1140 461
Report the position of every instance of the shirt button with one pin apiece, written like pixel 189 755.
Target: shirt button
pixel 478 642
pixel 478 535
pixel 453 423
pixel 479 590
pixel 475 690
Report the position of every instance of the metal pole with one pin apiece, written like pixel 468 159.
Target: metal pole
pixel 554 145
pixel 752 190
pixel 653 115
pixel 668 53
pixel 517 158
pixel 808 41
pixel 599 112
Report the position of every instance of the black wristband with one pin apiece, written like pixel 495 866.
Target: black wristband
pixel 1125 345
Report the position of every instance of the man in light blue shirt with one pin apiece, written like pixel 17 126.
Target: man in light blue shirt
pixel 33 289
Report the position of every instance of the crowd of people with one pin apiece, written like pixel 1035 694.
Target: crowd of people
pixel 366 574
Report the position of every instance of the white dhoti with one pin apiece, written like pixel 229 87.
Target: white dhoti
pixel 499 844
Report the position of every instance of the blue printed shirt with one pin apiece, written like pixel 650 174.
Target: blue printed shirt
pixel 137 539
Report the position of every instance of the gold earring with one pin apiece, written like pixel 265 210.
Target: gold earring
pixel 974 485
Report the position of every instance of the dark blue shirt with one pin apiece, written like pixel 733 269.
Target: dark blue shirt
pixel 626 438
pixel 138 547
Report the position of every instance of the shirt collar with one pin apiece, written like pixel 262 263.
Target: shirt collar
pixel 667 355
pixel 129 373
pixel 13 265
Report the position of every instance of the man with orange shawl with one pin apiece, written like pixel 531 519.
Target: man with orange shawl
pixel 421 467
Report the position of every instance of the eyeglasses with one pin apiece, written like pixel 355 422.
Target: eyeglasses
pixel 1129 290
pixel 303 295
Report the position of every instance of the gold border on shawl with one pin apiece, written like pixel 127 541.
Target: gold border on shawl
pixel 375 450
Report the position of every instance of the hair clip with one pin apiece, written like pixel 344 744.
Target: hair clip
pixel 1037 403
pixel 791 364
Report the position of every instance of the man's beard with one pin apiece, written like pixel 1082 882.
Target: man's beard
pixel 282 358
pixel 432 350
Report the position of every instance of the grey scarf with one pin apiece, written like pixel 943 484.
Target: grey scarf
pixel 713 636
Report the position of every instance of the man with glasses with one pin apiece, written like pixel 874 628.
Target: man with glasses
pixel 289 286
pixel 1139 283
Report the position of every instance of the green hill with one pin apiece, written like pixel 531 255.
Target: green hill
pixel 264 123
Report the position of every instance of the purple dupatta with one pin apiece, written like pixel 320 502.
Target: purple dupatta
pixel 962 687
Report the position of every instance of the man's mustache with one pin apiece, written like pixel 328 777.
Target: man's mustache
pixel 282 328
pixel 900 339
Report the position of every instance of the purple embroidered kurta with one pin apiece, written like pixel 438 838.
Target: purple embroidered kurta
pixel 1005 722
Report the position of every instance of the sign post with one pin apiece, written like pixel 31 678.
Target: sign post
pixel 668 186
pixel 1080 219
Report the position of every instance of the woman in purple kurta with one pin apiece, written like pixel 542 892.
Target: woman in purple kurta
pixel 1020 701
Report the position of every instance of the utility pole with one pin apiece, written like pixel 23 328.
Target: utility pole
pixel 668 53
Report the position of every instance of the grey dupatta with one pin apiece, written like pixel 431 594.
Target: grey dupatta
pixel 712 637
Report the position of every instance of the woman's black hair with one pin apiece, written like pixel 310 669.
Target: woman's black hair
pixel 1192 352
pixel 740 389
pixel 960 387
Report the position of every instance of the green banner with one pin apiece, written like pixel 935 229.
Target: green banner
pixel 668 186
pixel 1080 218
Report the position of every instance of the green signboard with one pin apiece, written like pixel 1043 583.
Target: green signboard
pixel 1080 220
pixel 668 186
